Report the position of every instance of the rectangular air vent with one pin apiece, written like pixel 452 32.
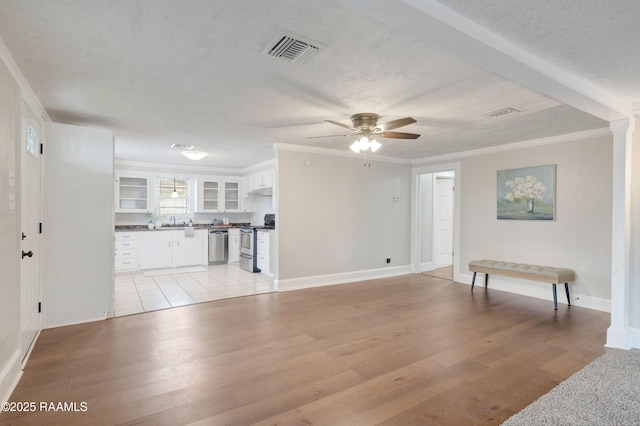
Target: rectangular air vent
pixel 181 146
pixel 290 48
pixel 503 112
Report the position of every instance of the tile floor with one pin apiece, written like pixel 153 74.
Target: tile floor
pixel 135 292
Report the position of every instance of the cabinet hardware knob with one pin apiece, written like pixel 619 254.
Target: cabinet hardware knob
pixel 28 254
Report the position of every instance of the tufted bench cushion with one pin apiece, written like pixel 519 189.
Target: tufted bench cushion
pixel 545 274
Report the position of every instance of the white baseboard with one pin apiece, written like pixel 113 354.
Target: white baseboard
pixel 623 337
pixel 634 337
pixel 47 325
pixel 538 290
pixel 340 278
pixel 9 376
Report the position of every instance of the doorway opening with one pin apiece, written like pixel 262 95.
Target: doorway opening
pixel 437 221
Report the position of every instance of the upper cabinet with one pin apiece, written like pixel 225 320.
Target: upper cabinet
pixel 259 188
pixel 208 195
pixel 258 183
pixel 218 195
pixel 231 199
pixel 132 193
pixel 139 191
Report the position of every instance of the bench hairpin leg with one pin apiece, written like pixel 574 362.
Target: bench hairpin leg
pixel 555 297
pixel 566 288
pixel 473 281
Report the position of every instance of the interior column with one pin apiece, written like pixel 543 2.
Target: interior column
pixel 618 334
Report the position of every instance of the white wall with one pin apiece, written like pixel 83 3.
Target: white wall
pixel 579 238
pixel 338 220
pixel 78 224
pixel 260 207
pixel 9 241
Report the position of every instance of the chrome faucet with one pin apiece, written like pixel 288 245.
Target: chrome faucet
pixel 173 218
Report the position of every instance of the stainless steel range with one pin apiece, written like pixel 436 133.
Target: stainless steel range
pixel 248 236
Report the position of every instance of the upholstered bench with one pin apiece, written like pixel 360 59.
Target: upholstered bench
pixel 545 274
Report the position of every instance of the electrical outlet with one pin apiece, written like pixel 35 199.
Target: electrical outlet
pixel 388 260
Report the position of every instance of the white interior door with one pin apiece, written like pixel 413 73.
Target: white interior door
pixel 30 218
pixel 444 222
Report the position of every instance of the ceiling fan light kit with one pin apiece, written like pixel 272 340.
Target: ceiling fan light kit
pixel 364 144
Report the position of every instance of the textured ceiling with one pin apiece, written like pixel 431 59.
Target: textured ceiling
pixel 159 72
pixel 597 40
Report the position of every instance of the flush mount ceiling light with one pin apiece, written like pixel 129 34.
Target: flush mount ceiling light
pixel 194 155
pixel 365 144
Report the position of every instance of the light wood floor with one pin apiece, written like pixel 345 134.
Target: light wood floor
pixel 446 273
pixel 409 350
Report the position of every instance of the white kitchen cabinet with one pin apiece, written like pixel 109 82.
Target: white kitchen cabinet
pixel 209 195
pixel 258 181
pixel 263 253
pixel 255 188
pixel 171 249
pixel 126 252
pixel 132 193
pixel 234 245
pixel 187 251
pixel 218 195
pixel 231 196
pixel 155 249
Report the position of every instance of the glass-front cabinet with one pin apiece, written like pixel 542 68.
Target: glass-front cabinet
pixel 210 196
pixel 132 193
pixel 231 195
pixel 218 195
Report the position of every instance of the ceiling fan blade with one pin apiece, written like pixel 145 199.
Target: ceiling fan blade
pixel 346 126
pixel 330 136
pixel 394 124
pixel 398 135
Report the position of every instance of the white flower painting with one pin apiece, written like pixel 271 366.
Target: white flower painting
pixel 527 193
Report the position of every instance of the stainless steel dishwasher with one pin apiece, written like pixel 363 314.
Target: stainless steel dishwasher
pixel 218 247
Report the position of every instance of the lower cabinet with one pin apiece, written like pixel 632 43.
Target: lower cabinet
pixel 263 253
pixel 161 249
pixel 126 252
pixel 155 250
pixel 187 251
pixel 234 245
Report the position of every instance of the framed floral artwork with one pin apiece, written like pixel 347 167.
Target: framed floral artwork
pixel 527 193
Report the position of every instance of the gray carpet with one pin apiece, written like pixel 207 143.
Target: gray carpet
pixel 605 392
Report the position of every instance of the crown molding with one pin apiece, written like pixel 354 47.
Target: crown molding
pixel 173 167
pixel 569 137
pixel 337 153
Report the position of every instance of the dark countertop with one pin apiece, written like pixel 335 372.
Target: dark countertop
pixel 123 228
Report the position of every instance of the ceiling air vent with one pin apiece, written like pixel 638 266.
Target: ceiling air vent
pixel 503 112
pixel 290 48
